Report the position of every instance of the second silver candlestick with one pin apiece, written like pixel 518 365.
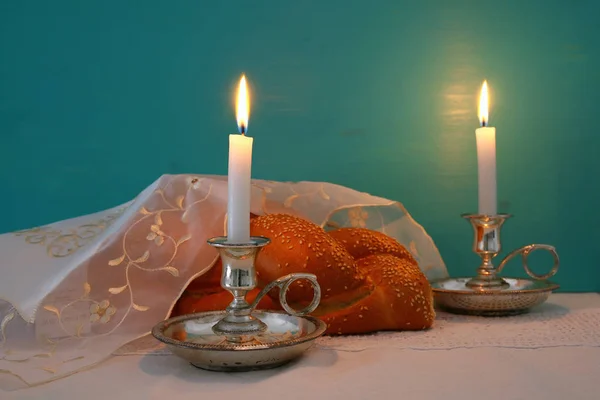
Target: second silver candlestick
pixel 487 293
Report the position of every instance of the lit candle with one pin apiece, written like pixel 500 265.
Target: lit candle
pixel 240 165
pixel 486 157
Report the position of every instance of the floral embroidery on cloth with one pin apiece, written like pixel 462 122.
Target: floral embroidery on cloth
pixel 122 270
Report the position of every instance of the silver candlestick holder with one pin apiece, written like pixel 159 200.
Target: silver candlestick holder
pixel 241 338
pixel 487 293
pixel 239 278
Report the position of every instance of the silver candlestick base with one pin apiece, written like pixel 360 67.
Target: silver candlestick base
pixel 487 293
pixel 242 338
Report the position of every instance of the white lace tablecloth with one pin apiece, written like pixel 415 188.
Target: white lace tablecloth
pixel 551 353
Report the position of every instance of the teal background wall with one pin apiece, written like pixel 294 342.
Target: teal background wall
pixel 98 99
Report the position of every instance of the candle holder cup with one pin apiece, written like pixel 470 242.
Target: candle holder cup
pixel 239 277
pixel 487 293
pixel 241 338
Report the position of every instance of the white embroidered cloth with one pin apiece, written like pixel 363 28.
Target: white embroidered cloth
pixel 73 292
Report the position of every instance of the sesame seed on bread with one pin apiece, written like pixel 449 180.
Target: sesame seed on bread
pixel 369 281
pixel 362 242
pixel 298 245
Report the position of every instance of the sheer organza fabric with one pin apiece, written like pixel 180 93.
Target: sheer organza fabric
pixel 74 292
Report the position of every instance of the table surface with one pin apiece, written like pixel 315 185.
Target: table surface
pixel 563 372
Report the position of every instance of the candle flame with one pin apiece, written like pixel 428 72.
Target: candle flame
pixel 484 105
pixel 242 106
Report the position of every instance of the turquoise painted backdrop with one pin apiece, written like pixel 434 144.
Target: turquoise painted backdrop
pixel 98 99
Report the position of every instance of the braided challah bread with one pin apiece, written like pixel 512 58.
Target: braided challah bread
pixel 369 281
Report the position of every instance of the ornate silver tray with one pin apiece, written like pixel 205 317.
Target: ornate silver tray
pixel 487 294
pixel 191 337
pixel 241 338
pixel 455 296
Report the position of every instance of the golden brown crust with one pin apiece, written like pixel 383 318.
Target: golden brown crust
pixel 361 242
pixel 369 281
pixel 401 299
pixel 298 245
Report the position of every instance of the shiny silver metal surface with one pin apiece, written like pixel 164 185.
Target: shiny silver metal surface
pixel 454 295
pixel 525 251
pixel 487 244
pixel 191 337
pixel 239 277
pixel 487 293
pixel 283 284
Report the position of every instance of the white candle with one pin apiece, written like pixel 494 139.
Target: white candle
pixel 240 165
pixel 486 158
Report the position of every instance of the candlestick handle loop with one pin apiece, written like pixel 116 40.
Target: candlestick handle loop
pixel 284 284
pixel 524 252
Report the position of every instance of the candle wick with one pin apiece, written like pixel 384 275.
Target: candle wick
pixel 484 123
pixel 243 130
